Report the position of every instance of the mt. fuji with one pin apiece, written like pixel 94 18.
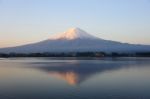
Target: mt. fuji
pixel 76 40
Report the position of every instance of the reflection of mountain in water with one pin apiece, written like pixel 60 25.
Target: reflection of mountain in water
pixel 71 77
pixel 77 72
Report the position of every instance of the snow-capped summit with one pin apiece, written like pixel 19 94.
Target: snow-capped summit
pixel 73 33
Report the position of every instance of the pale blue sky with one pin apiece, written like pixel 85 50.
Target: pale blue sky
pixel 25 21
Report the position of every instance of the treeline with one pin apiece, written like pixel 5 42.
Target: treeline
pixel 69 54
pixel 77 54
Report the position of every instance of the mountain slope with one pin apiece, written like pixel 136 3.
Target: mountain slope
pixel 76 40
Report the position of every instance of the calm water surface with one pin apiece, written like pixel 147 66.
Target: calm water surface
pixel 65 78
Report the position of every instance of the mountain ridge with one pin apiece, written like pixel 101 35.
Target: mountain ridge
pixel 76 40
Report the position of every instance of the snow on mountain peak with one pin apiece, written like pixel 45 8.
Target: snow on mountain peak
pixel 73 33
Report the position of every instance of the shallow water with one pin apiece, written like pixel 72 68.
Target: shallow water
pixel 75 78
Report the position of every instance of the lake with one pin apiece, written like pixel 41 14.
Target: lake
pixel 75 78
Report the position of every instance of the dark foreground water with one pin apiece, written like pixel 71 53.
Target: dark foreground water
pixel 63 78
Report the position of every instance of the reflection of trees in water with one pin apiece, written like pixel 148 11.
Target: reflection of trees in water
pixel 77 72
